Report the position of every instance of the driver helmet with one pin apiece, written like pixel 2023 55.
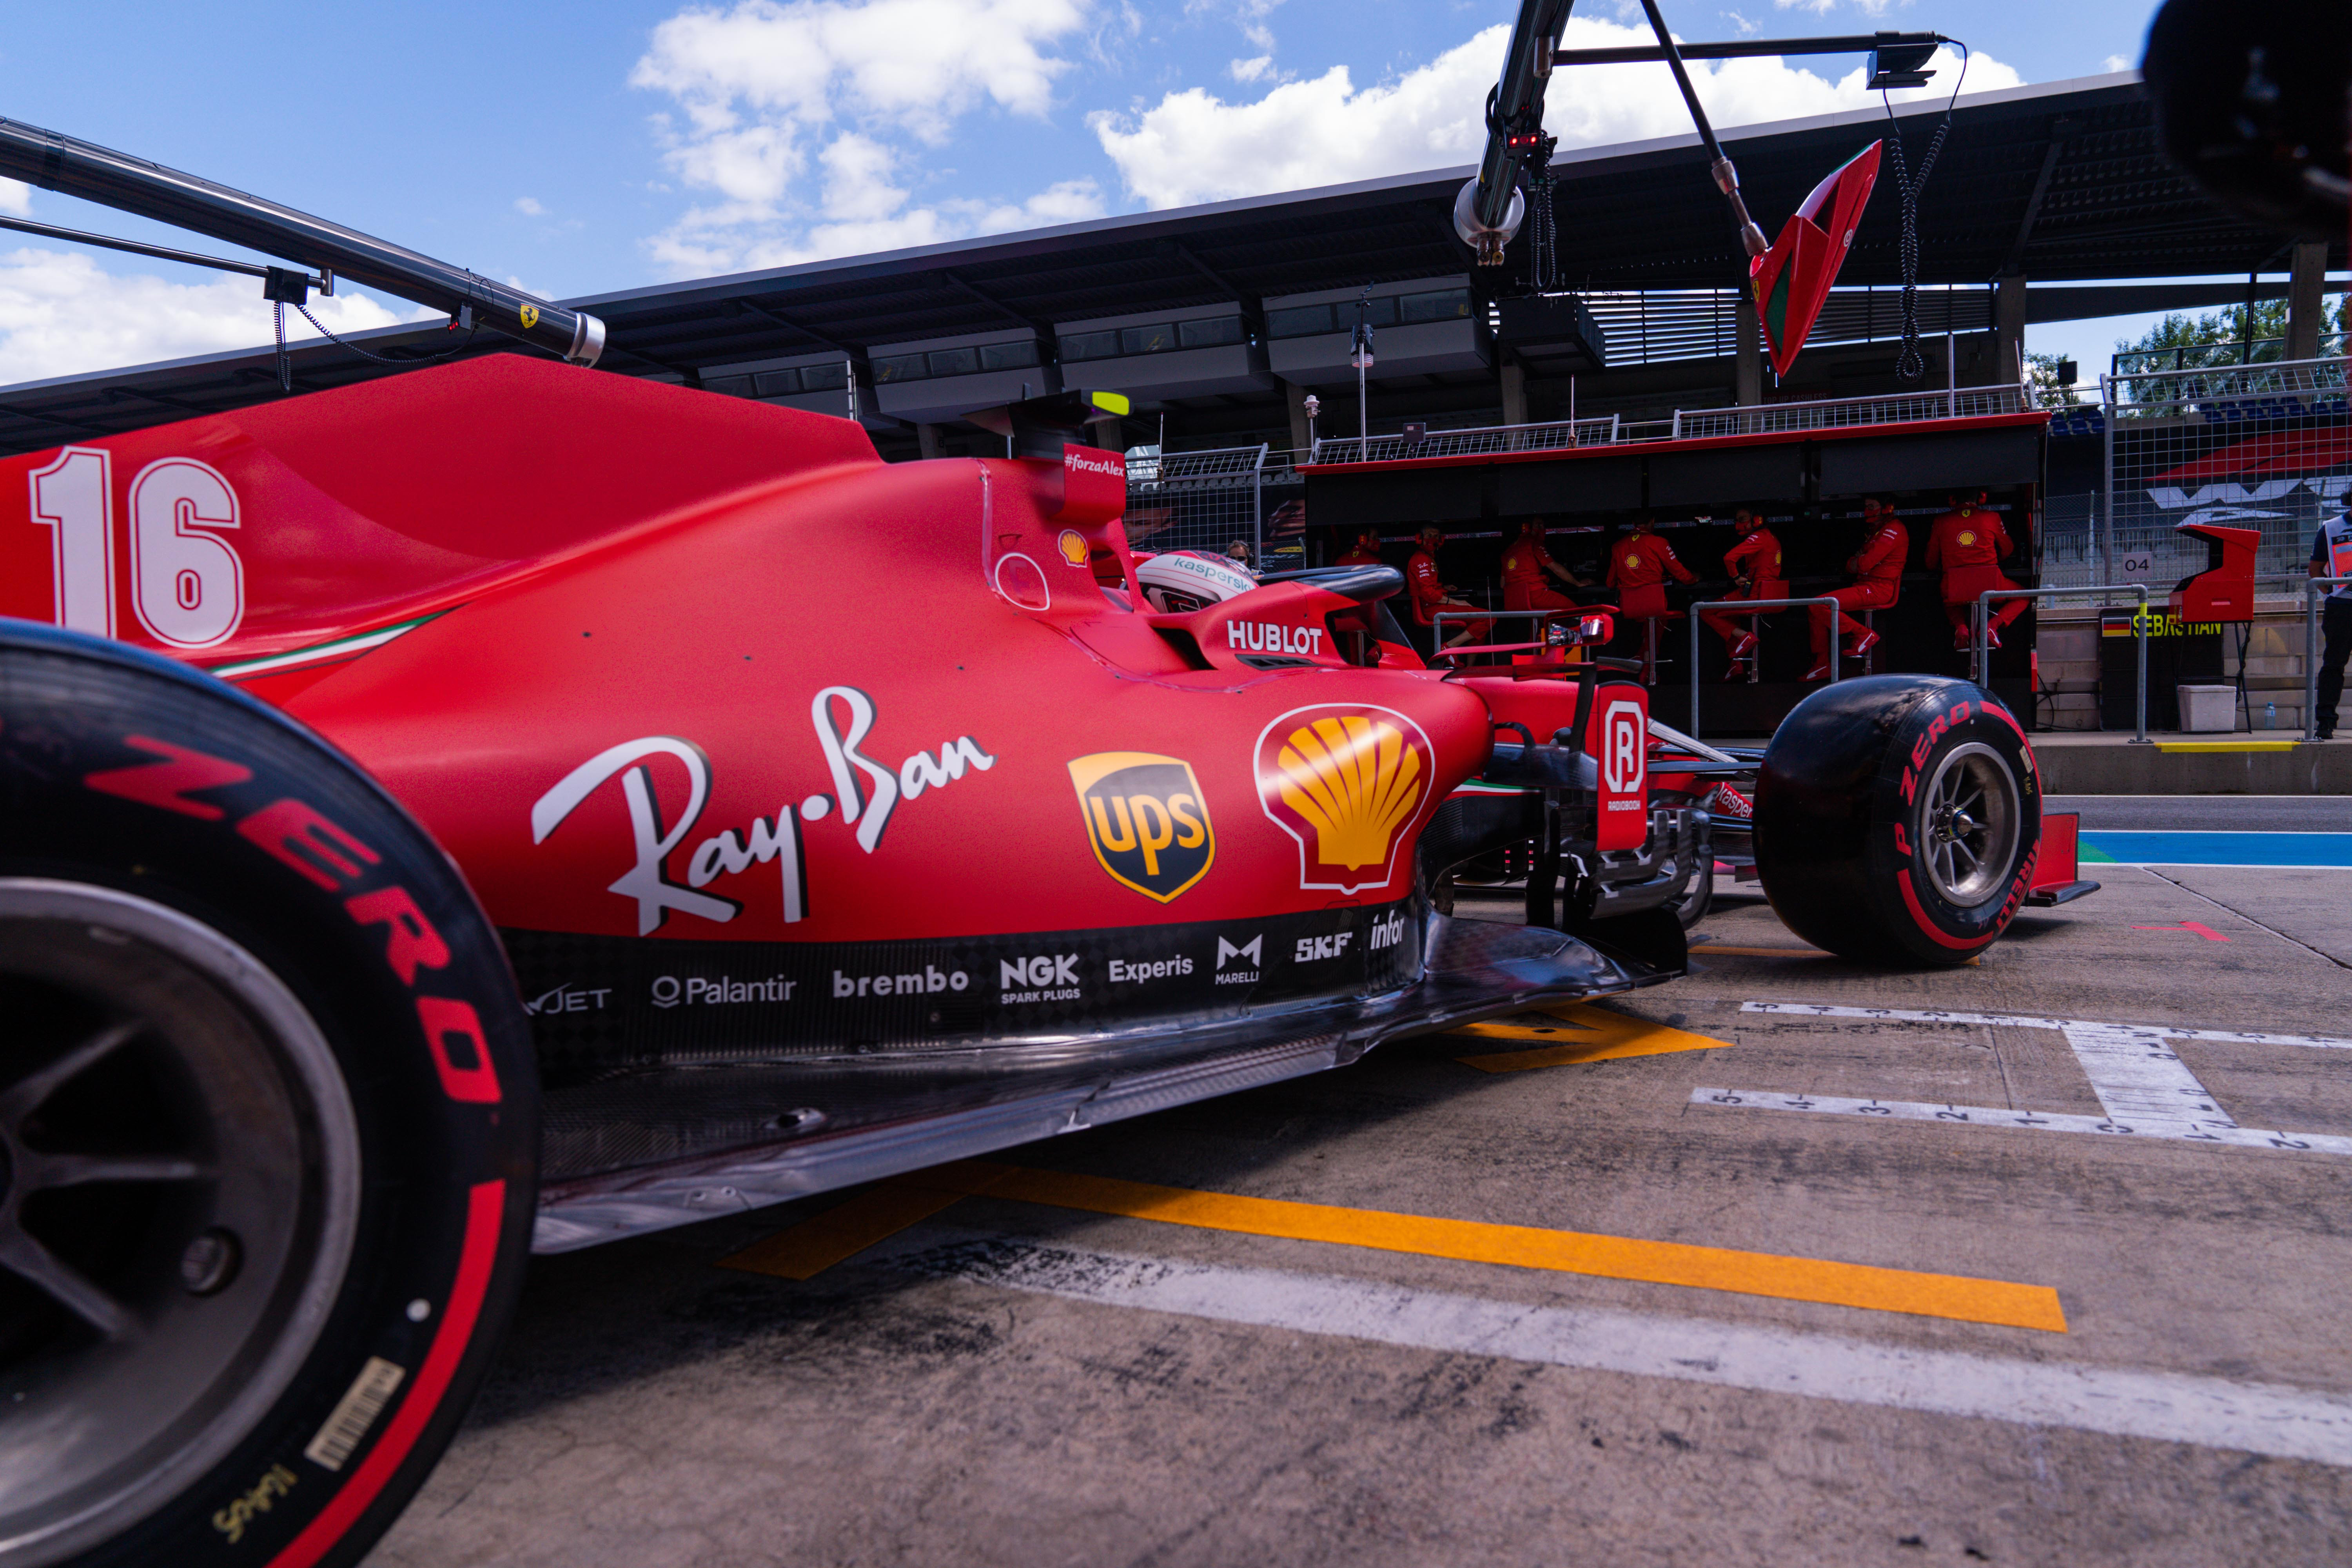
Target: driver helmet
pixel 1183 580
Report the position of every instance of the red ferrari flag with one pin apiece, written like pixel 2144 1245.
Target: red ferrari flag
pixel 1791 281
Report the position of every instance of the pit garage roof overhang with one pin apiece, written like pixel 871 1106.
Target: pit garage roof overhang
pixel 2062 181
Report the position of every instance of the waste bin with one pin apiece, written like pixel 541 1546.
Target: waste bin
pixel 2209 709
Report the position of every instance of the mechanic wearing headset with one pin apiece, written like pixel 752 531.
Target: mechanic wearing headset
pixel 1366 551
pixel 1638 564
pixel 1754 565
pixel 1525 564
pixel 1969 546
pixel 2331 556
pixel 1431 594
pixel 1878 569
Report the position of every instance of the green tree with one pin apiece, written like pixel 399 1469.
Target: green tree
pixel 2041 379
pixel 2218 337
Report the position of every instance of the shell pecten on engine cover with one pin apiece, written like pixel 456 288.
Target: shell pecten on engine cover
pixel 1344 780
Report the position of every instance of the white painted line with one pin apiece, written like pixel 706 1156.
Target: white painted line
pixel 2147 1091
pixel 2018 1021
pixel 2194 1130
pixel 2174 1408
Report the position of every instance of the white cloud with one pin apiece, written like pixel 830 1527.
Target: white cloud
pixel 1745 27
pixel 529 206
pixel 2120 63
pixel 1192 146
pixel 16 198
pixel 772 94
pixel 1252 70
pixel 61 315
pixel 1823 7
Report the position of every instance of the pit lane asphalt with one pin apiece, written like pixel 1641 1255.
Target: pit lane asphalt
pixel 1010 1383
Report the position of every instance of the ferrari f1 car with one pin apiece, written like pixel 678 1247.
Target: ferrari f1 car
pixel 482 809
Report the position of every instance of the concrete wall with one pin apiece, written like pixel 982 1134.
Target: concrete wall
pixel 2069 646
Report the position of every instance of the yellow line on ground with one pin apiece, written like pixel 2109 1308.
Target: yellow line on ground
pixel 2226 745
pixel 1524 1246
pixel 813 1246
pixel 883 1211
pixel 1583 1033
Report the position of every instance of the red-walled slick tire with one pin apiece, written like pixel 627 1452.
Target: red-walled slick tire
pixel 268 1127
pixel 1897 818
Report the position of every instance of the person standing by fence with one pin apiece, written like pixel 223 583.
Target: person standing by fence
pixel 2331 556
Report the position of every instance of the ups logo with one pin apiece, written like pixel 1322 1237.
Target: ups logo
pixel 1147 820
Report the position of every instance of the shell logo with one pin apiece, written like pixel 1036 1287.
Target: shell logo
pixel 1073 546
pixel 1633 559
pixel 1967 537
pixel 1343 780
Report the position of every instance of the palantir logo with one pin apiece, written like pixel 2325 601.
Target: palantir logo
pixel 1625 746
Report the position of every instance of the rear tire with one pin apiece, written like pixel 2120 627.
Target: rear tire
pixel 1897 819
pixel 268 1127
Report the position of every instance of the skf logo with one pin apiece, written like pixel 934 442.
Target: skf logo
pixel 1147 819
pixel 1314 948
pixel 1625 747
pixel 1343 780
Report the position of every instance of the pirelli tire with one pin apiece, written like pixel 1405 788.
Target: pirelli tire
pixel 1897 819
pixel 268 1127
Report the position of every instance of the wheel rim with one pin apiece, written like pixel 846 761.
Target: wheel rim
pixel 181 1188
pixel 1968 819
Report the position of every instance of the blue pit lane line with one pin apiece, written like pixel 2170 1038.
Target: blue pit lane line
pixel 2100 848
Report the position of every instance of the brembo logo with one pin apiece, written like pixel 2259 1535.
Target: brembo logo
pixel 1147 820
pixel 1267 637
pixel 1344 780
pixel 1624 747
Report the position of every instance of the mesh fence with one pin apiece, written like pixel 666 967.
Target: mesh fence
pixel 1196 501
pixel 2265 447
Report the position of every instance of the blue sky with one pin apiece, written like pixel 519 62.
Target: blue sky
pixel 608 143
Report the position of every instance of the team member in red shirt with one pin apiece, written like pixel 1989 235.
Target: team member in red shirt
pixel 1754 566
pixel 1525 563
pixel 1968 544
pixel 1639 565
pixel 1366 551
pixel 1430 594
pixel 1878 569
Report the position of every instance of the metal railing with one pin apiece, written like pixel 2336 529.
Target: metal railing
pixel 1199 501
pixel 1981 656
pixel 1746 605
pixel 2310 597
pixel 2217 356
pixel 1687 424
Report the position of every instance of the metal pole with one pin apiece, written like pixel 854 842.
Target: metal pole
pixel 1759 605
pixel 2140 638
pixel 2107 483
pixel 2139 631
pixel 1257 510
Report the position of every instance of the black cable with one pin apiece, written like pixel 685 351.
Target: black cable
pixel 1911 365
pixel 380 359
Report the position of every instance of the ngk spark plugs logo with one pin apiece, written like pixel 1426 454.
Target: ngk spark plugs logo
pixel 1343 780
pixel 1147 820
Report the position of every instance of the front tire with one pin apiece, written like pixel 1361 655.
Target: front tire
pixel 1897 819
pixel 268 1127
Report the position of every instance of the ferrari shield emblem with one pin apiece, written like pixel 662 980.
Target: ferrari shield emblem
pixel 1147 819
pixel 529 314
pixel 1344 780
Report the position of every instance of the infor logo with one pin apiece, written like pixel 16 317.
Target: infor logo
pixel 1147 820
pixel 1624 747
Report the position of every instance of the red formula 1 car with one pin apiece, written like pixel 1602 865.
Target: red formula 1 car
pixel 507 805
